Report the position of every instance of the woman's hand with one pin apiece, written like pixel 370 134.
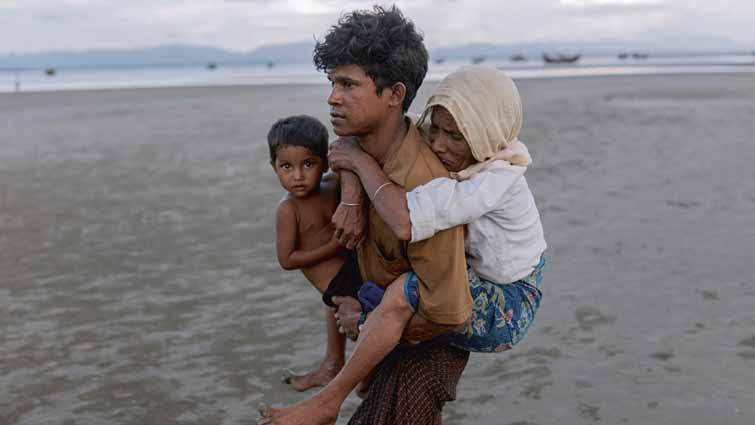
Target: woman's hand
pixel 343 153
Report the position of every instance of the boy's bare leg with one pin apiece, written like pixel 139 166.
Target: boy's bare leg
pixel 380 334
pixel 331 364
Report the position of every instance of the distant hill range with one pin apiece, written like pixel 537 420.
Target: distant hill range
pixel 301 52
pixel 173 55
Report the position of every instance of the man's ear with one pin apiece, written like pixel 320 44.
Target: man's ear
pixel 398 93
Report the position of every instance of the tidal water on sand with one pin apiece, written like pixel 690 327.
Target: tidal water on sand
pixel 139 283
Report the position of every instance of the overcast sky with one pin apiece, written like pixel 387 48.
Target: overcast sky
pixel 41 25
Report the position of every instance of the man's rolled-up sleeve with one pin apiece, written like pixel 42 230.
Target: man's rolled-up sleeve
pixel 440 265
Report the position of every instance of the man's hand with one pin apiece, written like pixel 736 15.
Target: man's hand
pixel 350 222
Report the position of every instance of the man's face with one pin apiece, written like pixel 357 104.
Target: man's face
pixel 355 107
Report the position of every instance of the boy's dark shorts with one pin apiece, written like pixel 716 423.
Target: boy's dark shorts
pixel 346 282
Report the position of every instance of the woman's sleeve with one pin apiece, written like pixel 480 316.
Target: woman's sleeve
pixel 444 203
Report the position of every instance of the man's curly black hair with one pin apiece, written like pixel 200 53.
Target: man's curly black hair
pixel 383 42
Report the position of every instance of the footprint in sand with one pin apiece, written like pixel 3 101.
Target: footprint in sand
pixel 748 343
pixel 683 204
pixel 590 317
pixel 587 411
pixel 698 327
pixel 663 355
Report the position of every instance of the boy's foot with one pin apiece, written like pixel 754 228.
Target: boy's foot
pixel 347 315
pixel 307 412
pixel 315 378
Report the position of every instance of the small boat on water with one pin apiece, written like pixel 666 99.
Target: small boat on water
pixel 561 58
pixel 439 61
pixel 212 65
pixel 518 58
pixel 478 59
pixel 623 55
pixel 640 55
pixel 50 72
pixel 270 65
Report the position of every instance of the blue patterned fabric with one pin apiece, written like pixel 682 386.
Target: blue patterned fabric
pixel 501 313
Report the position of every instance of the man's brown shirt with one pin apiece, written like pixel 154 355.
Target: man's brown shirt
pixel 438 262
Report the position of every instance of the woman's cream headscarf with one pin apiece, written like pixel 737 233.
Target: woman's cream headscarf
pixel 486 106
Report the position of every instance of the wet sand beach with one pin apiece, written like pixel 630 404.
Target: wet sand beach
pixel 139 285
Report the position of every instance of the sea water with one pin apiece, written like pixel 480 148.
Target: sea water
pixel 263 74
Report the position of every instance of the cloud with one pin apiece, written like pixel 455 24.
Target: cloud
pixel 611 7
pixel 603 3
pixel 35 25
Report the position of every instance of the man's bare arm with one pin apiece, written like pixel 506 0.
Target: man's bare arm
pixel 391 203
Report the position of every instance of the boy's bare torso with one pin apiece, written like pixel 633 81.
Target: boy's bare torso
pixel 315 229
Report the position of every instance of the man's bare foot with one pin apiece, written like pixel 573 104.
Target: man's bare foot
pixel 307 412
pixel 347 315
pixel 315 378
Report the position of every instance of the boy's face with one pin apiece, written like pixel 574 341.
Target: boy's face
pixel 299 170
pixel 355 107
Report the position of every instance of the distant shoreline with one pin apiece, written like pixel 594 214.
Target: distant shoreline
pixel 521 73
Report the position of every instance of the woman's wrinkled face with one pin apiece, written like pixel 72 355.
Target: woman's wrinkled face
pixel 447 141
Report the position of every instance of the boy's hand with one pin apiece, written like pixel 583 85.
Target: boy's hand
pixel 350 219
pixel 349 222
pixel 347 316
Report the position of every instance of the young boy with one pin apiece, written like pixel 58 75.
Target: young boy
pixel 304 231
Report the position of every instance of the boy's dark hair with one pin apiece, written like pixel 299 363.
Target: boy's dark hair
pixel 299 130
pixel 383 42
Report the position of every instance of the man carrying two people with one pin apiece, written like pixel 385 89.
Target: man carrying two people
pixel 376 62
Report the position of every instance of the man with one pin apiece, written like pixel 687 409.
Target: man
pixel 376 62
